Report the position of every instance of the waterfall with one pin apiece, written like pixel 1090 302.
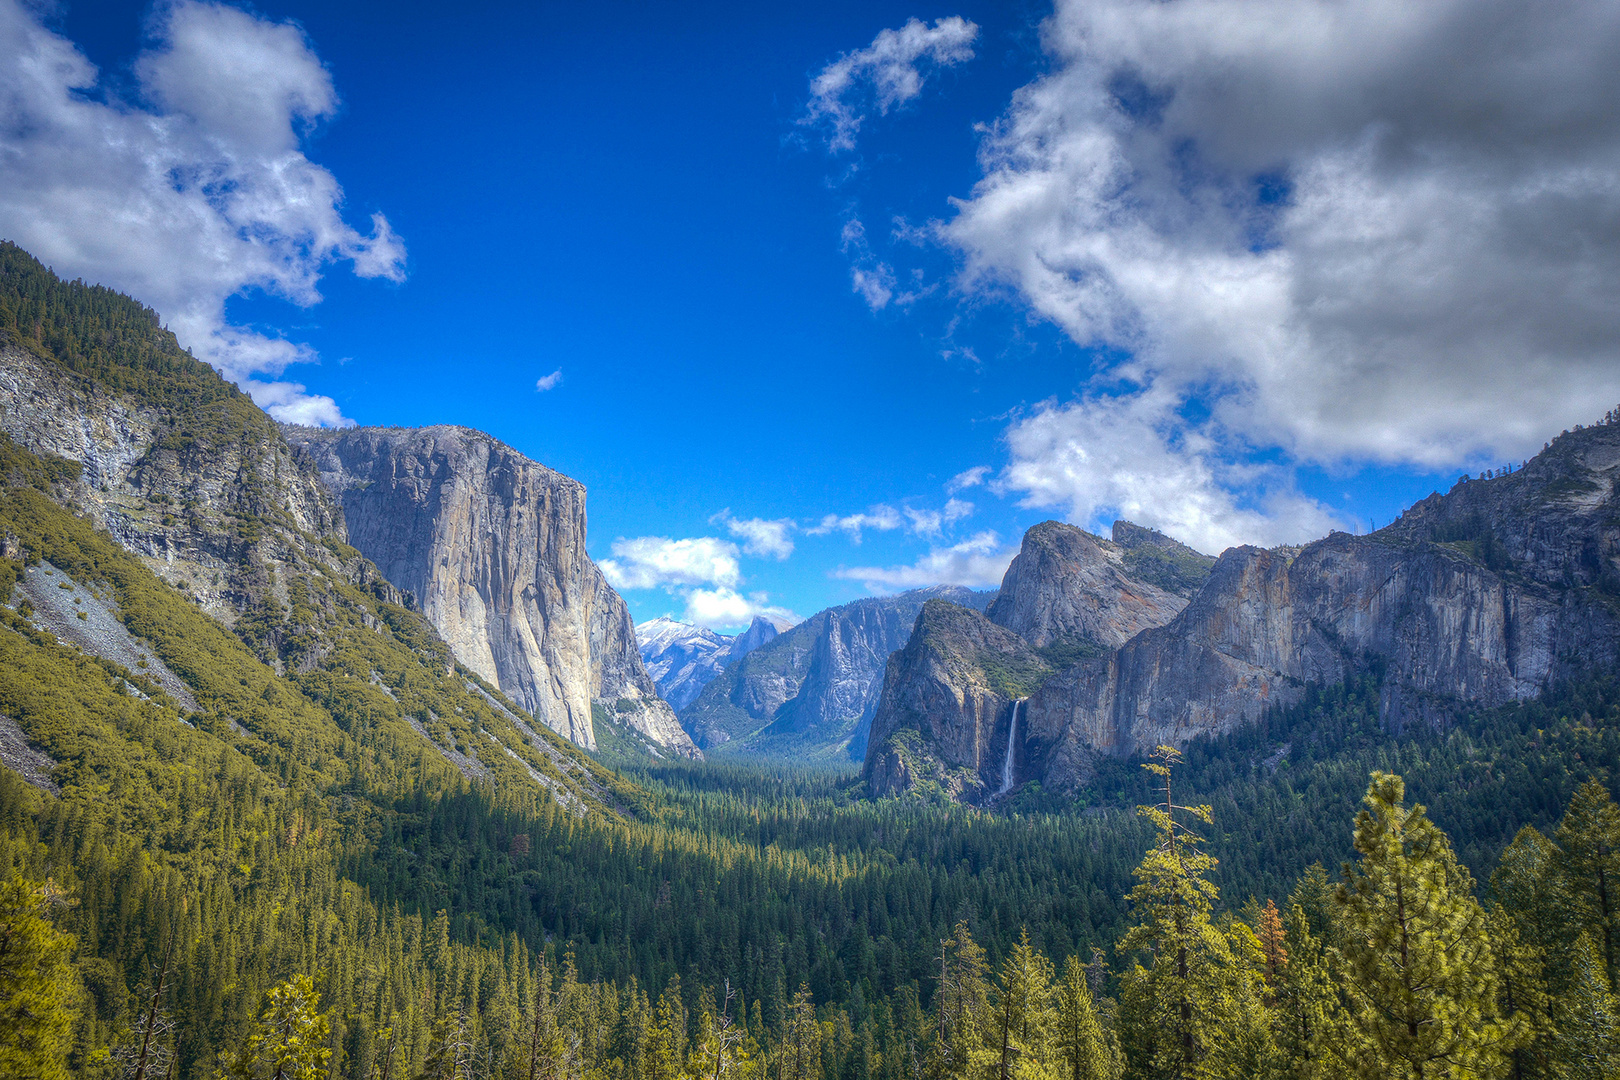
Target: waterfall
pixel 1012 740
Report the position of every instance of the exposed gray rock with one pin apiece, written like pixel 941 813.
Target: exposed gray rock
pixel 88 618
pixel 492 546
pixel 945 713
pixel 812 690
pixel 25 759
pixel 1486 595
pixel 682 659
pixel 1067 587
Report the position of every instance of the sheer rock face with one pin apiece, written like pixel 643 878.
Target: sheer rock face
pixel 492 546
pixel 1067 585
pixel 1485 595
pixel 944 716
pixel 813 689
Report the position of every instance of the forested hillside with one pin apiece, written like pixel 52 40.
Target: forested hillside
pixel 303 833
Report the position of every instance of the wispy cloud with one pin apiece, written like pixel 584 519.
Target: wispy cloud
pixel 884 75
pixel 548 382
pixel 977 562
pixel 195 191
pixel 967 478
pixel 879 518
pixel 767 538
pixel 933 522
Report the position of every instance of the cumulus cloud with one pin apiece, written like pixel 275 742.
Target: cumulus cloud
pixel 1348 230
pixel 703 571
pixel 648 562
pixel 967 478
pixel 1132 456
pixel 191 193
pixel 720 609
pixel 977 562
pixel 548 382
pixel 767 538
pixel 884 75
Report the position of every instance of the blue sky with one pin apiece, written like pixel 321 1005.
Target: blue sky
pixel 1044 263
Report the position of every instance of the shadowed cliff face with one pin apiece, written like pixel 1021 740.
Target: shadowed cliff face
pixel 492 546
pixel 1485 595
pixel 812 690
pixel 942 722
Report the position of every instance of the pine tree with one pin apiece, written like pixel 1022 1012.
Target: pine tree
pixel 1024 1012
pixel 1420 983
pixel 1589 868
pixel 800 1055
pixel 1586 1042
pixel 1273 943
pixel 1307 1004
pixel 38 991
pixel 1202 985
pixel 961 1008
pixel 290 1043
pixel 1087 1053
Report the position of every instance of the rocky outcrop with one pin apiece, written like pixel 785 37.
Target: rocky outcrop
pixel 812 691
pixel 1068 588
pixel 492 547
pixel 204 491
pixel 1488 594
pixel 944 720
pixel 682 659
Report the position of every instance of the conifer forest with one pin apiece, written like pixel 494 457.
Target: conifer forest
pixel 260 848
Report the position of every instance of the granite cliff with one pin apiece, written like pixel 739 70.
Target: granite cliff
pixel 1491 593
pixel 492 547
pixel 947 706
pixel 141 493
pixel 812 690
pixel 1070 591
pixel 1068 595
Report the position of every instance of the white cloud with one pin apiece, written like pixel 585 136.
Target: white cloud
pixel 701 570
pixel 197 195
pixel 727 609
pixel 966 479
pixel 933 522
pixel 548 382
pixel 1350 231
pixel 648 562
pixel 884 75
pixel 1132 457
pixel 768 538
pixel 978 562
pixel 879 518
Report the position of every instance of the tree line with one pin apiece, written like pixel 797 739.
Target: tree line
pixel 1395 970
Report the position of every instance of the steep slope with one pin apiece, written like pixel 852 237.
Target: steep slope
pixel 944 720
pixel 1076 594
pixel 682 659
pixel 189 492
pixel 492 546
pixel 1493 593
pixel 812 690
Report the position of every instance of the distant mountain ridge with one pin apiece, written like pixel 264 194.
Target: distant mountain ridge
pixel 682 659
pixel 811 691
